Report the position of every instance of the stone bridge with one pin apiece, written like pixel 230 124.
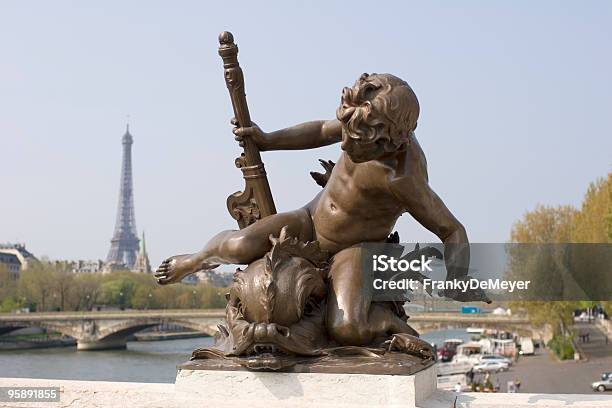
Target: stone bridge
pixel 111 329
pixel 427 322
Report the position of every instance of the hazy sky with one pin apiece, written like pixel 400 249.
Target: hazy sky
pixel 516 103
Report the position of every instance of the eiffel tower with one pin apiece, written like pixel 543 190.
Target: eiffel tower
pixel 124 244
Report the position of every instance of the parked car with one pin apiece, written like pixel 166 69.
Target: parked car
pixel 602 386
pixel 448 349
pixel 582 317
pixel 495 358
pixel 490 366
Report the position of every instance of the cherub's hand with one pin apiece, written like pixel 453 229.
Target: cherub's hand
pixel 471 295
pixel 254 132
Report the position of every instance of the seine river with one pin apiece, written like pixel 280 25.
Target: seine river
pixel 143 361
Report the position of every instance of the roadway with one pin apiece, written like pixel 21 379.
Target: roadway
pixel 112 314
pixel 543 373
pixel 597 347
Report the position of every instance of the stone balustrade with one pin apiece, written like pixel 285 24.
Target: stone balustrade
pixel 93 394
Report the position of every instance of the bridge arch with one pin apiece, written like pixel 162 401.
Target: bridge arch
pixel 12 328
pixel 49 326
pixel 520 328
pixel 93 334
pixel 207 328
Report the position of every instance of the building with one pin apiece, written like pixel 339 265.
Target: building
pixel 142 264
pixel 16 258
pixel 83 266
pixel 12 264
pixel 191 280
pixel 124 244
pixel 89 266
pixel 113 267
pixel 217 278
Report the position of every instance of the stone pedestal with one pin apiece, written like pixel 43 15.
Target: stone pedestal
pixel 303 389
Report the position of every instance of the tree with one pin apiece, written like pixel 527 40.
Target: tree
pixel 540 263
pixel 212 297
pixel 593 228
pixel 35 286
pixel 62 283
pixel 7 283
pixel 545 225
pixel 8 292
pixel 118 289
pixel 143 298
pixel 588 265
pixel 593 224
pixel 87 291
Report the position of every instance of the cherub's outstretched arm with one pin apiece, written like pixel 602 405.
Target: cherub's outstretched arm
pixel 309 135
pixel 430 211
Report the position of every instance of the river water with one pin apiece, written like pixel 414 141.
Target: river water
pixel 150 361
pixel 143 361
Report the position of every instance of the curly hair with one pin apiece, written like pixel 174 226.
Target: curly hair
pixel 379 108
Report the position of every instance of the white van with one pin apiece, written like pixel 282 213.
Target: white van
pixel 527 348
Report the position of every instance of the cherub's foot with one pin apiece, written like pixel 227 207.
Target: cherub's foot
pixel 175 268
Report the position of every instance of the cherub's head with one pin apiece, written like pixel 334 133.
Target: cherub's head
pixel 378 114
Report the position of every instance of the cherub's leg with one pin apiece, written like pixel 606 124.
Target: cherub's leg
pixel 236 246
pixel 352 318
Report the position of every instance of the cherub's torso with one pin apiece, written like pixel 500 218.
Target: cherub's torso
pixel 357 202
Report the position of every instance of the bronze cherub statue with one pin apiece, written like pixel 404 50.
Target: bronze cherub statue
pixel 303 292
pixel 277 311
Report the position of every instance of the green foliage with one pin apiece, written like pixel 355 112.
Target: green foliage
pixel 593 224
pixel 8 291
pixel 541 226
pixel 562 347
pixel 140 291
pixel 88 291
pixel 118 289
pixel 564 224
pixel 48 286
pixel 557 314
pixel 8 304
pixel 215 297
pixel 545 225
pixel 34 286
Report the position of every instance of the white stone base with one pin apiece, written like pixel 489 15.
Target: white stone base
pixel 92 394
pixel 269 389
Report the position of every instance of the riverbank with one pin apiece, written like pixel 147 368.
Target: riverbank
pixel 36 344
pixel 159 336
pixel 42 341
pixel 34 338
